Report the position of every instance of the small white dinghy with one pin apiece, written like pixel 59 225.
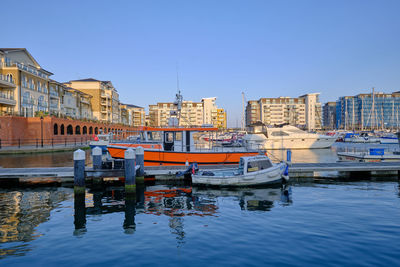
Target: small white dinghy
pixel 254 170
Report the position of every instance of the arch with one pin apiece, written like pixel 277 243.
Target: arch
pixel 101 130
pixel 70 130
pixel 109 129
pixel 84 130
pixel 96 130
pixel 10 78
pixel 55 127
pixel 62 129
pixel 90 130
pixel 77 129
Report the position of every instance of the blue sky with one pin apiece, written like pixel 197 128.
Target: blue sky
pixel 263 48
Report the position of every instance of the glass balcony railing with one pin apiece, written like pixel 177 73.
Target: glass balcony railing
pixel 7 78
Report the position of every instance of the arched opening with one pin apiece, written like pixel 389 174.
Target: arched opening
pixel 96 130
pixel 109 129
pixel 101 130
pixel 78 129
pixel 70 130
pixel 62 129
pixel 10 78
pixel 55 132
pixel 90 130
pixel 84 130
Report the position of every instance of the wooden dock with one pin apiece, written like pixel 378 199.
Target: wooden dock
pixel 296 170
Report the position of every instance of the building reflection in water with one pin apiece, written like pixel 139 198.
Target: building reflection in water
pixel 22 211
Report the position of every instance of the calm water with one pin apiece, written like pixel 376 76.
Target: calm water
pixel 354 223
pixel 65 159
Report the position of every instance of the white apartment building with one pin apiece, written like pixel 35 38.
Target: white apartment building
pixel 209 109
pixel 304 111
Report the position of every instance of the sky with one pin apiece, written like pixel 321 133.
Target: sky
pixel 218 48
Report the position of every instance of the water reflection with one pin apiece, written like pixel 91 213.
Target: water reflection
pixel 22 211
pixel 174 202
pixel 251 199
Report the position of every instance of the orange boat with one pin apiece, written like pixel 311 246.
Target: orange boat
pixel 178 146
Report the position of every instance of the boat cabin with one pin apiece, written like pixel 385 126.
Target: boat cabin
pixel 178 139
pixel 254 163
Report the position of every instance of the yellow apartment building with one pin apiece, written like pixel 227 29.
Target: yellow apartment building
pixel 219 120
pixel 104 101
pixel 23 83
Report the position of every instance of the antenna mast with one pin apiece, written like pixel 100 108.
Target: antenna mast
pixel 243 110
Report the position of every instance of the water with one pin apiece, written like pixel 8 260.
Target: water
pixel 65 159
pixel 332 224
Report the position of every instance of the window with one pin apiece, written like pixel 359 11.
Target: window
pixel 169 137
pixel 25 98
pixel 9 78
pixel 55 129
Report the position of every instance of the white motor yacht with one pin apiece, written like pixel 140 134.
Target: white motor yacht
pixel 287 137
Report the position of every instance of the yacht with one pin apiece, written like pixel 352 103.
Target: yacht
pixel 287 137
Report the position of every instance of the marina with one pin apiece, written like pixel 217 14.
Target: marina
pixel 299 170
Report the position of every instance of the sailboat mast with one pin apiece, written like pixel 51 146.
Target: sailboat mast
pixel 373 109
pixel 353 115
pixel 392 119
pixel 362 114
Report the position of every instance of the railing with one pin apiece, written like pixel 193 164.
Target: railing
pixel 59 142
pixel 6 78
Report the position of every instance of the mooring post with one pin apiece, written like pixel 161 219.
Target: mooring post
pixel 96 154
pixel 140 162
pixel 289 155
pixel 79 172
pixel 130 172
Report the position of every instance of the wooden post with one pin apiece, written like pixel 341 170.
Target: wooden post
pixel 96 154
pixel 130 172
pixel 79 172
pixel 140 162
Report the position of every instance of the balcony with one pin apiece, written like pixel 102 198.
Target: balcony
pixel 6 99
pixel 29 69
pixel 85 101
pixel 6 82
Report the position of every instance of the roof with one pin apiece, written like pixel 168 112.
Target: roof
pixel 85 80
pixel 131 106
pixel 6 50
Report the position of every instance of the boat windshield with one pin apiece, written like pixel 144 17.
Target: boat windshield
pixel 241 166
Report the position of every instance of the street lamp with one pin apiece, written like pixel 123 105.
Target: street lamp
pixel 41 129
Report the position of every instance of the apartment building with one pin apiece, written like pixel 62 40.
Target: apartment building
pixel 23 83
pixel 104 98
pixel 220 120
pixel 136 115
pixel 7 89
pixel 304 111
pixel 209 109
pixel 192 113
pixel 252 112
pixel 376 110
pixel 329 115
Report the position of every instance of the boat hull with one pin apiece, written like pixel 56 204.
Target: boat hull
pixel 365 157
pixel 155 157
pixel 273 175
